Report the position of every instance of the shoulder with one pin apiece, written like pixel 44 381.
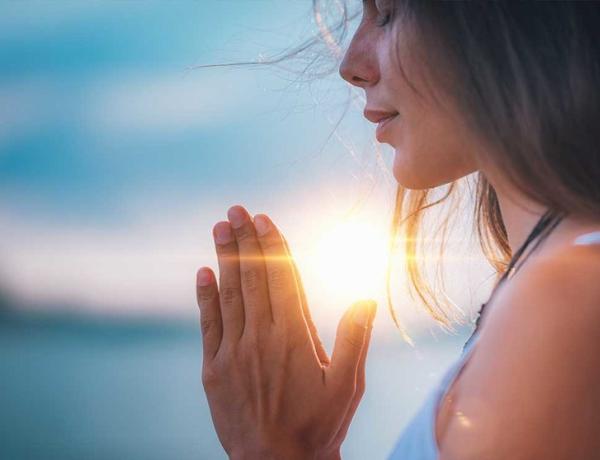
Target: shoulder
pixel 555 296
pixel 532 386
pixel 562 285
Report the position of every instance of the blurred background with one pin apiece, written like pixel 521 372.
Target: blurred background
pixel 118 153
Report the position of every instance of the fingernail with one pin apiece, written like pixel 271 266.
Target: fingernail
pixel 204 277
pixel 237 216
pixel 363 313
pixel 223 234
pixel 262 224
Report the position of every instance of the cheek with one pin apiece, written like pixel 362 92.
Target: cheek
pixel 429 155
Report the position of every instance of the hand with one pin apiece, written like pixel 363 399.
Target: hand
pixel 272 390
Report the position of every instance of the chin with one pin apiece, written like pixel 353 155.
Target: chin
pixel 417 175
pixel 420 172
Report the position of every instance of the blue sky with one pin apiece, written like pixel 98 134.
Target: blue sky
pixel 117 157
pixel 99 101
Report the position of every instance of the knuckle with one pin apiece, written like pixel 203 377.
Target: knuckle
pixel 271 242
pixel 230 295
pixel 354 341
pixel 228 251
pixel 278 279
pixel 251 279
pixel 206 294
pixel 245 232
pixel 207 324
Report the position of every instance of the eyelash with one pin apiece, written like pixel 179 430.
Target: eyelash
pixel 385 20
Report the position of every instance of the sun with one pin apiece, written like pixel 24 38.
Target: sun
pixel 348 261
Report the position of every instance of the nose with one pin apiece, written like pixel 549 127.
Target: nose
pixel 359 66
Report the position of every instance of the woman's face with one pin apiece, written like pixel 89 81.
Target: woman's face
pixel 432 143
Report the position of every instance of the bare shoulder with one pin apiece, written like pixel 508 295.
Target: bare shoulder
pixel 564 284
pixel 532 386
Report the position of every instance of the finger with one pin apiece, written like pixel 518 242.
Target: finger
pixel 361 376
pixel 349 343
pixel 210 315
pixel 360 385
pixel 285 298
pixel 255 292
pixel 319 348
pixel 230 291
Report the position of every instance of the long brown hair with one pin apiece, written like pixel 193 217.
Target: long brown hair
pixel 526 77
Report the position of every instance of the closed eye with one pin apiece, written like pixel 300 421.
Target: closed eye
pixel 383 19
pixel 383 8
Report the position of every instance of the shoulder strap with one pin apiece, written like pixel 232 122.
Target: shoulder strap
pixel 541 230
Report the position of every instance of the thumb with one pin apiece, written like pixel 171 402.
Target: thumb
pixel 352 334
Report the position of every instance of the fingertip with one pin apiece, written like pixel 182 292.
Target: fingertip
pixel 237 215
pixel 222 232
pixel 205 277
pixel 373 309
pixel 363 312
pixel 372 312
pixel 236 208
pixel 263 224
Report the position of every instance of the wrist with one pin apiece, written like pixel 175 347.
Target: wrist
pixel 283 453
pixel 331 455
pixel 271 455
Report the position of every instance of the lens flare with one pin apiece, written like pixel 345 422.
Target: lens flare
pixel 349 259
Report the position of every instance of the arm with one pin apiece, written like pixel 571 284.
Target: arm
pixel 532 386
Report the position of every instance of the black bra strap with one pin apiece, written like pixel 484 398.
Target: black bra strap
pixel 542 229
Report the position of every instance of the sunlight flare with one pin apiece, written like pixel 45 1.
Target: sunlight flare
pixel 350 257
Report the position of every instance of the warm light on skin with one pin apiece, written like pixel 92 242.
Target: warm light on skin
pixel 463 420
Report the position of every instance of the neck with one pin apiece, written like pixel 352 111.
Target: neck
pixel 519 213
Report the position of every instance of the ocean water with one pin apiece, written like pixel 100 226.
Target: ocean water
pixel 74 388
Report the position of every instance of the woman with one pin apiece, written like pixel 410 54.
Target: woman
pixel 508 90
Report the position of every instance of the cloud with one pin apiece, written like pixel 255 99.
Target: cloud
pixel 141 269
pixel 170 102
pixel 127 103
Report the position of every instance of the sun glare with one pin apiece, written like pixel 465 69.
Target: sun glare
pixel 349 259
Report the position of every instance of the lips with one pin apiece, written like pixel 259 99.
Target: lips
pixel 376 116
pixel 382 118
